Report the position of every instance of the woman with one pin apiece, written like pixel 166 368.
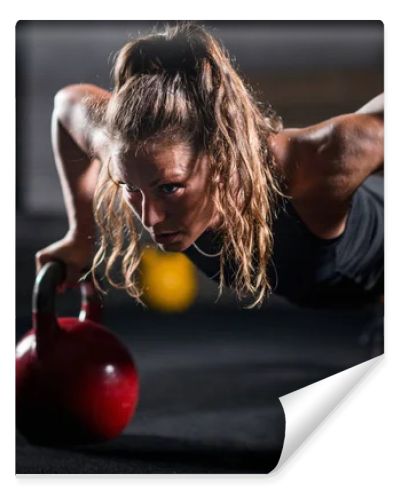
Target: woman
pixel 181 145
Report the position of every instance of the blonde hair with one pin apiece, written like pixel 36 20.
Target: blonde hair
pixel 180 84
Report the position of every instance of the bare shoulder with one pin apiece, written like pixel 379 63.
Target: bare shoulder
pixel 347 148
pixel 79 108
pixel 285 147
pixel 323 164
pixel 338 154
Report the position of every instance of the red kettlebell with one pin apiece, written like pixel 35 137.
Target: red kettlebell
pixel 75 382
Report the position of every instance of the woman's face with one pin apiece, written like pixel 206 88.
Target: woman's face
pixel 168 190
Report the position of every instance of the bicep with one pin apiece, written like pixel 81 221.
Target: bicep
pixel 337 155
pixel 361 142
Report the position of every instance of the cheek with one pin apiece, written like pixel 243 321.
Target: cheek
pixel 196 206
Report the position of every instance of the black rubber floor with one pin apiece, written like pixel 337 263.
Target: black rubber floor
pixel 210 382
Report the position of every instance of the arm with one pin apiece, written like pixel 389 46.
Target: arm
pixel 325 163
pixel 374 106
pixel 337 155
pixel 363 136
pixel 73 141
pixel 73 146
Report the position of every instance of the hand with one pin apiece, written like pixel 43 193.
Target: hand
pixel 74 251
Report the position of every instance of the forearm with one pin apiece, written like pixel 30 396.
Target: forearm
pixel 374 106
pixel 78 176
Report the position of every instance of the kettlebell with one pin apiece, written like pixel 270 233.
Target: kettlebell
pixel 76 383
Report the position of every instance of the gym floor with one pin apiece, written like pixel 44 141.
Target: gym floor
pixel 210 378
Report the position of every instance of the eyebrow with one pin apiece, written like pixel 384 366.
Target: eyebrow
pixel 153 183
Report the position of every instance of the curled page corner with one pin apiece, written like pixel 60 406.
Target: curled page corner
pixel 306 408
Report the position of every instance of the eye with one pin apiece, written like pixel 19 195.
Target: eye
pixel 170 188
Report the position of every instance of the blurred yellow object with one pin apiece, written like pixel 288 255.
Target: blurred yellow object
pixel 168 279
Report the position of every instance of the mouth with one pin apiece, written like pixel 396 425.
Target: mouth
pixel 167 237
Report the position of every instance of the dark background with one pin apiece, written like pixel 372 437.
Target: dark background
pixel 210 377
pixel 308 71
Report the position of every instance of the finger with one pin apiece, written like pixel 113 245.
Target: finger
pixel 40 260
pixel 38 263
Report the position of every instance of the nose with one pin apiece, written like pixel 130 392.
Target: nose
pixel 152 213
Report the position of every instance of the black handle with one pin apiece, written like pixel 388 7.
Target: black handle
pixel 44 317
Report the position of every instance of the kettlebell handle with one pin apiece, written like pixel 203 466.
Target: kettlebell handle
pixel 44 316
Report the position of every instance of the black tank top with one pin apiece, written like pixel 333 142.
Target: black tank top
pixel 311 271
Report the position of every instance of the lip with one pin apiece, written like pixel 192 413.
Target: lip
pixel 167 238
